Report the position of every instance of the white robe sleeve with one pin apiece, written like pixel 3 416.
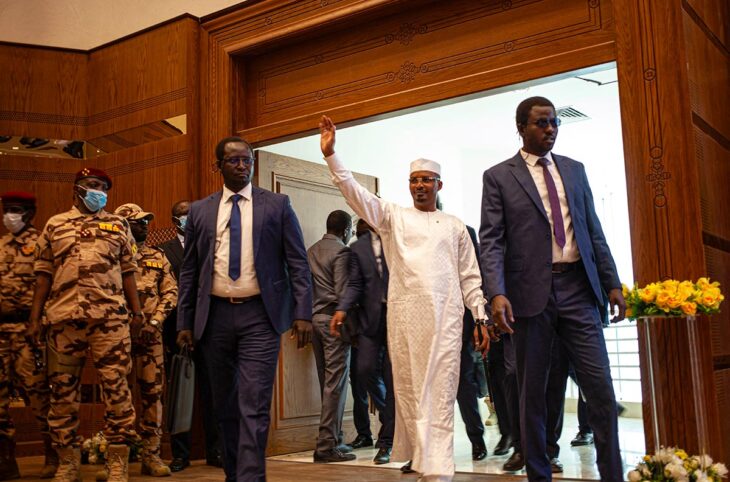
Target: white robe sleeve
pixel 470 277
pixel 365 204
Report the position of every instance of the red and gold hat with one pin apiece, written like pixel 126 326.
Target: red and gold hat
pixel 18 197
pixel 93 172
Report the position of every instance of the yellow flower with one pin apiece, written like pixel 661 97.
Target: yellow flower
pixel 685 290
pixel 689 308
pixel 625 290
pixel 629 312
pixel 703 283
pixel 681 454
pixel 670 284
pixel 662 300
pixel 102 447
pixel 648 293
pixel 647 458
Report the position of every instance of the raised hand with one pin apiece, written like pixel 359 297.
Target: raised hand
pixel 327 136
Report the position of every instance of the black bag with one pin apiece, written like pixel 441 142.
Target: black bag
pixel 180 393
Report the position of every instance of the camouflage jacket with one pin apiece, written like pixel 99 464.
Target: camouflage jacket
pixel 16 273
pixel 156 284
pixel 86 256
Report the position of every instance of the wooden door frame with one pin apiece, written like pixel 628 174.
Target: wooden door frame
pixel 663 191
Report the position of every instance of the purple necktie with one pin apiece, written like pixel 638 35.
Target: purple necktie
pixel 555 211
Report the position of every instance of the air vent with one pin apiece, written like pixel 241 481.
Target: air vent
pixel 571 114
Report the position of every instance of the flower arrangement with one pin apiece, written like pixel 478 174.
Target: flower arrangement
pixel 673 298
pixel 94 448
pixel 673 464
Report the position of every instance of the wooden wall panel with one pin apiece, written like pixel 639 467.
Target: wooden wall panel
pixel 43 92
pixel 143 79
pixel 714 14
pixel 705 32
pixel 412 58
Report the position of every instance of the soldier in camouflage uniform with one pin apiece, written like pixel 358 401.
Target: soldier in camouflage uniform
pixel 157 290
pixel 85 265
pixel 21 363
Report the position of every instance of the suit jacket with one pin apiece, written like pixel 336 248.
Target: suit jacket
pixel 280 261
pixel 174 252
pixel 365 286
pixel 516 238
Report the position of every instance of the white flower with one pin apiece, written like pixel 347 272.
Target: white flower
pixel 702 477
pixel 634 476
pixel 92 459
pixel 720 470
pixel 676 472
pixel 645 472
pixel 665 455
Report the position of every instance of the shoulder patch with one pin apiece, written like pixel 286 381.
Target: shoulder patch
pixel 153 264
pixel 28 249
pixel 134 249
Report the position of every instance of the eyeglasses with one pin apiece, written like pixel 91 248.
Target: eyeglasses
pixel 234 161
pixel 424 180
pixel 543 123
pixel 140 222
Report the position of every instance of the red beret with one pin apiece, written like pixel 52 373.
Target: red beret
pixel 93 172
pixel 18 197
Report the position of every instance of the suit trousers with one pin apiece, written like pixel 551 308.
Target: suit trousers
pixel 241 349
pixel 571 316
pixel 332 357
pixel 468 390
pixel 374 367
pixel 360 403
pixel 497 388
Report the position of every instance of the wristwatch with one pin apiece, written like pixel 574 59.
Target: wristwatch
pixel 154 322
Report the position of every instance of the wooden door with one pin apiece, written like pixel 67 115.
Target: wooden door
pixel 296 404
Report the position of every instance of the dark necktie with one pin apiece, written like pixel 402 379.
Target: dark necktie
pixel 234 255
pixel 556 213
pixel 384 275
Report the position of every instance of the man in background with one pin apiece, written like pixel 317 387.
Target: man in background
pixel 180 442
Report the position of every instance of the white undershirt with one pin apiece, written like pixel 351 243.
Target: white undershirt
pixel 246 284
pixel 569 253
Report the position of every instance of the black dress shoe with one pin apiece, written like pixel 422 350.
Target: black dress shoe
pixel 582 438
pixel 179 464
pixel 478 451
pixel 514 463
pixel 502 447
pixel 383 456
pixel 361 441
pixel 556 466
pixel 406 469
pixel 333 455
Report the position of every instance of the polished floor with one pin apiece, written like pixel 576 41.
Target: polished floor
pixel 578 462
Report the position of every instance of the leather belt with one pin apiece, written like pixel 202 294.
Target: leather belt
pixel 565 267
pixel 15 317
pixel 327 310
pixel 236 301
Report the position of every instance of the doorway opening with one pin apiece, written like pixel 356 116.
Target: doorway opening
pixel 467 136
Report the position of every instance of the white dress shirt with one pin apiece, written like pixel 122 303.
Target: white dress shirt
pixel 246 284
pixel 182 240
pixel 569 253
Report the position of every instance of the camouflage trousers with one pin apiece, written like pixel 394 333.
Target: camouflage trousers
pixel 147 352
pixel 108 342
pixel 18 369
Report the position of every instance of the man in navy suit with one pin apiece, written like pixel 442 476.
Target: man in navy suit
pixel 367 289
pixel 244 281
pixel 547 266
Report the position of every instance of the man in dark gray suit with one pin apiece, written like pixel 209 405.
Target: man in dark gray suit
pixel 367 291
pixel 180 442
pixel 547 265
pixel 244 281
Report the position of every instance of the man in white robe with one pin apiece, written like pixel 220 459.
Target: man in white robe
pixel 433 275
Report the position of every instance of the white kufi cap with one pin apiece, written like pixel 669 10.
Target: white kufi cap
pixel 425 165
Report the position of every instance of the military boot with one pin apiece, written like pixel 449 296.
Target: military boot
pixel 151 463
pixel 117 463
pixel 69 470
pixel 8 465
pixel 50 465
